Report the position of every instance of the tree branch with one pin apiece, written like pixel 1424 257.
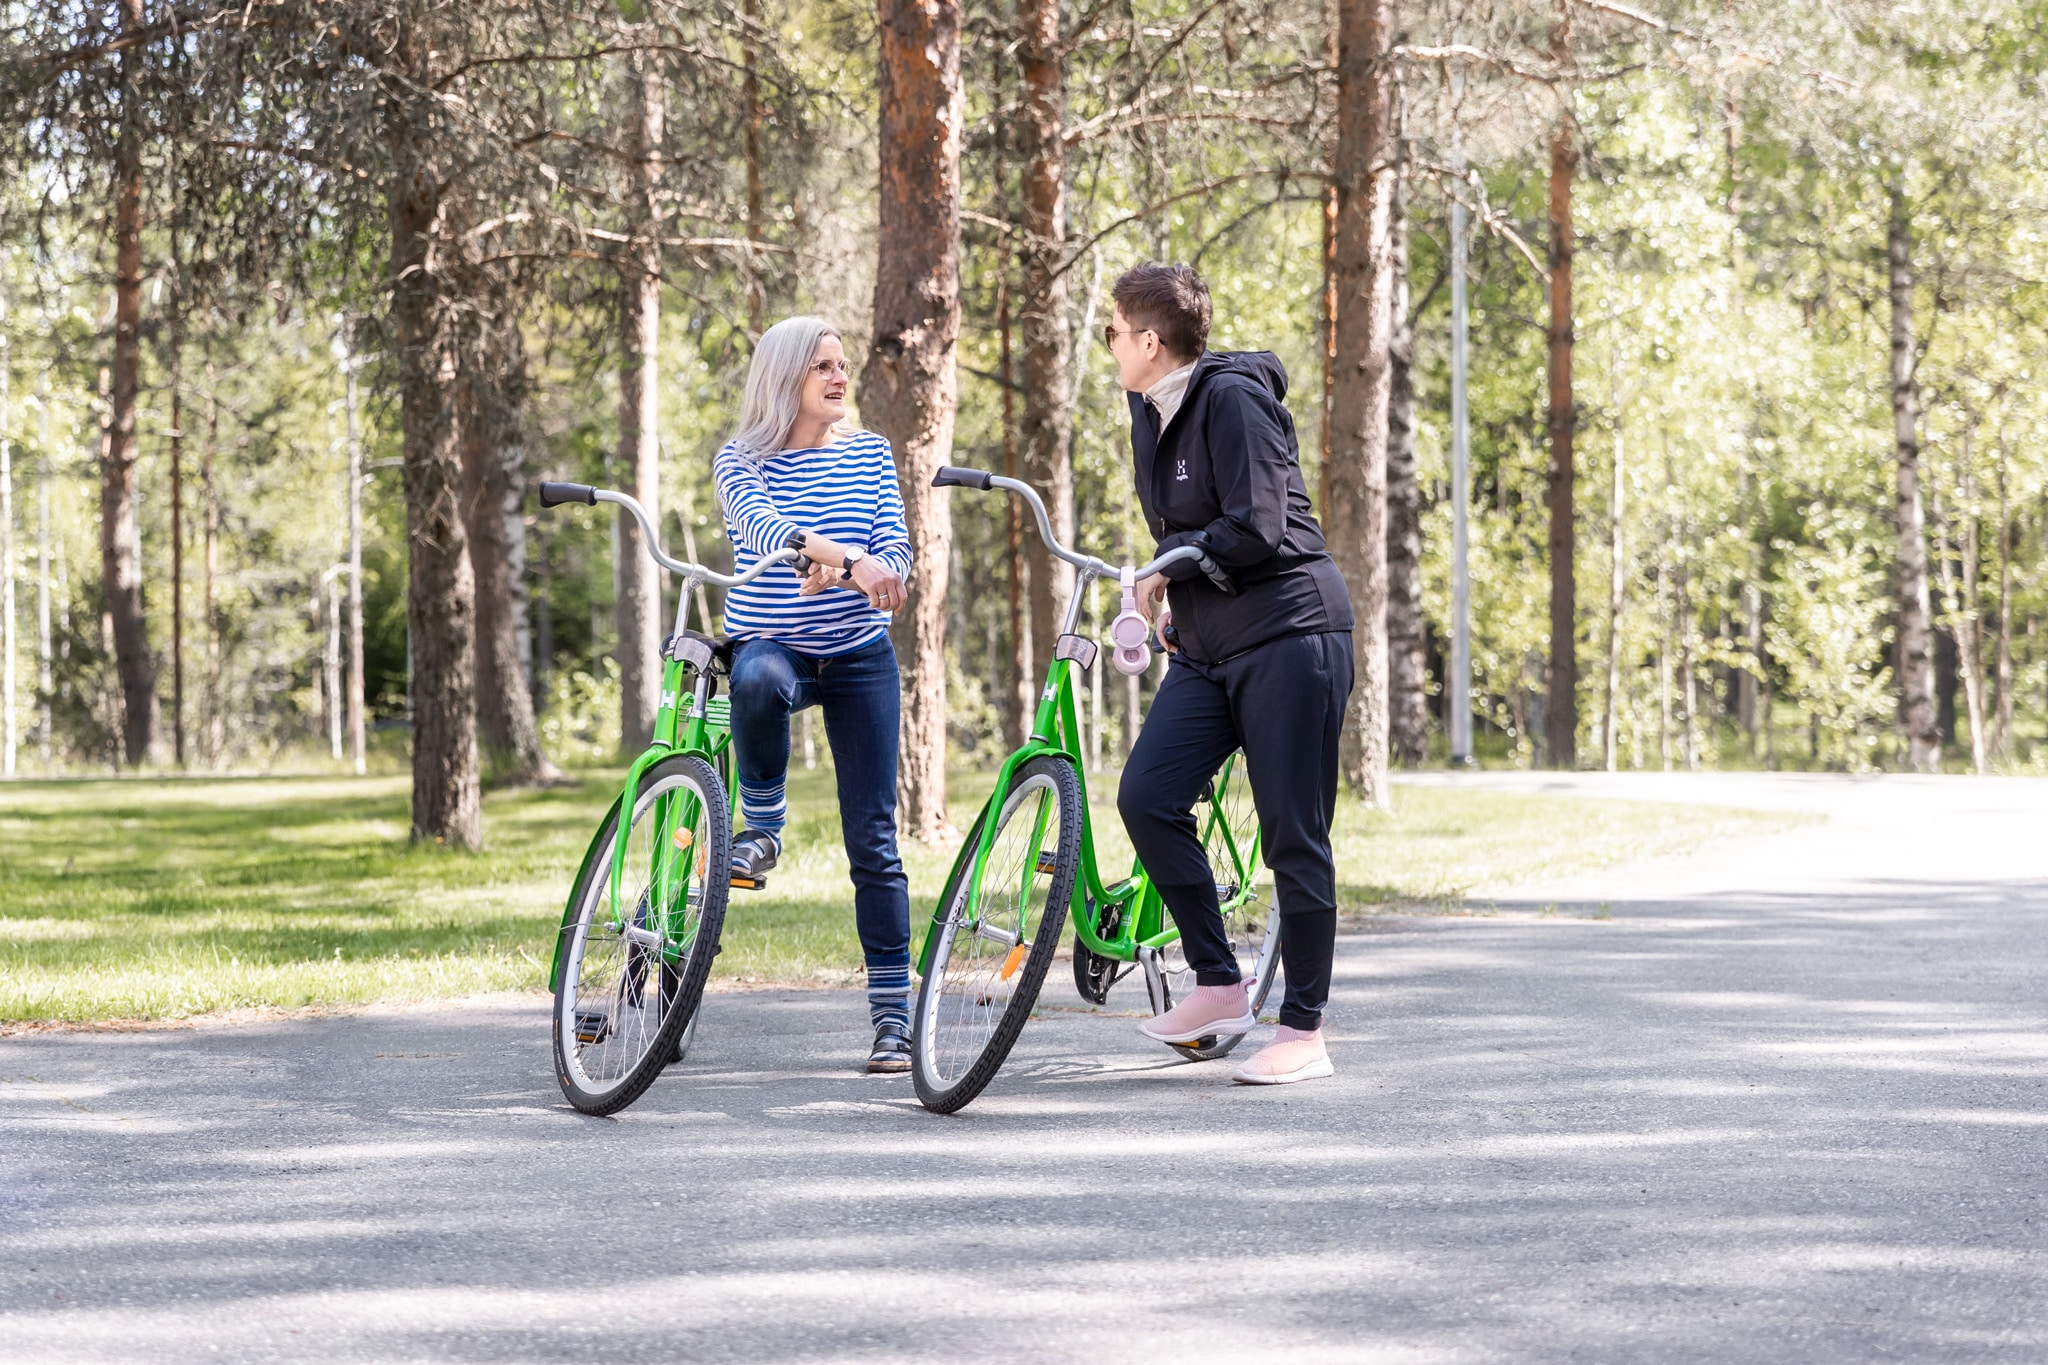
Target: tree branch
pixel 1487 216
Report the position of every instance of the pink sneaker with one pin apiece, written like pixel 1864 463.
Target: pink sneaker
pixel 1292 1056
pixel 1207 1010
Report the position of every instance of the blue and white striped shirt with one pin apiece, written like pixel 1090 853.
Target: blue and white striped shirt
pixel 845 491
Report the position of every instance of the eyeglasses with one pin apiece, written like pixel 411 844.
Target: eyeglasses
pixel 1111 333
pixel 825 369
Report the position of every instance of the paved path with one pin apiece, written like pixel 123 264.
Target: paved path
pixel 1787 1102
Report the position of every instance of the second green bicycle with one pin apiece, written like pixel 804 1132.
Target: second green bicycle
pixel 1029 861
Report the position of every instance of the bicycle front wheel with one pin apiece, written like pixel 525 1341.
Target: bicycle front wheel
pixel 634 967
pixel 998 934
pixel 1230 837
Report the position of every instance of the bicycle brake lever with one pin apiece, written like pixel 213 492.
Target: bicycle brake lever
pixel 1213 571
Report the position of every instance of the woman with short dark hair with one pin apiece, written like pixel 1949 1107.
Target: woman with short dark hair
pixel 1263 665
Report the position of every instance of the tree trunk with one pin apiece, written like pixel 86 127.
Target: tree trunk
pixel 1327 318
pixel 2001 732
pixel 331 665
pixel 177 550
pixel 1561 708
pixel 1970 620
pixel 1945 679
pixel 44 672
pixel 1048 348
pixel 1665 616
pixel 494 461
pixel 213 735
pixel 1356 511
pixel 750 92
pixel 120 537
pixel 357 700
pixel 1407 645
pixel 909 383
pixel 1617 588
pixel 1018 690
pixel 9 735
pixel 639 600
pixel 1957 568
pixel 1688 676
pixel 1916 637
pixel 440 602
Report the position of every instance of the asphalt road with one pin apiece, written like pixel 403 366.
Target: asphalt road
pixel 1785 1101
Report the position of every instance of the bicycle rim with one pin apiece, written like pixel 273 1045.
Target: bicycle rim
pixel 998 937
pixel 631 984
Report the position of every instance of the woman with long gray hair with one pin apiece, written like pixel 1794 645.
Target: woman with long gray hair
pixel 796 475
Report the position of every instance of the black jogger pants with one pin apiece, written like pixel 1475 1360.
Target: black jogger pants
pixel 1283 704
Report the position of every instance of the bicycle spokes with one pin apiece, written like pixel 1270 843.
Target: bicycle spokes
pixel 626 973
pixel 992 926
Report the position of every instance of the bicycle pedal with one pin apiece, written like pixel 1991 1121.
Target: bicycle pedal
pixel 1046 861
pixel 746 883
pixel 592 1027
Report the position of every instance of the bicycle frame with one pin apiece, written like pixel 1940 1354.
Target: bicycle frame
pixel 703 729
pixel 1144 927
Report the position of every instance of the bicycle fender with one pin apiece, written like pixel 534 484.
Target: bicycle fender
pixel 975 847
pixel 628 799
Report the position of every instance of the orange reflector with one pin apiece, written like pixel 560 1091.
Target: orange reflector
pixel 683 838
pixel 1011 963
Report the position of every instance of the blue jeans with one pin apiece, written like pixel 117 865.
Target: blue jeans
pixel 861 695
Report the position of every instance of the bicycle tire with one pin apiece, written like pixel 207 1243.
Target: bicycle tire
pixel 678 987
pixel 964 1026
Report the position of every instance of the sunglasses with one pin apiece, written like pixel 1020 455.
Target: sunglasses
pixel 1112 332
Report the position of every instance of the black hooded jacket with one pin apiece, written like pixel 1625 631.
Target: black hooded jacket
pixel 1226 473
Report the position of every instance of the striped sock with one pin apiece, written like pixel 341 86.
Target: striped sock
pixel 889 991
pixel 765 807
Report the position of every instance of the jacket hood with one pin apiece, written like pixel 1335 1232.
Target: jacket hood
pixel 1261 367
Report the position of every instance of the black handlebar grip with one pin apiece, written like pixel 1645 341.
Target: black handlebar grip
pixel 555 494
pixel 950 476
pixel 1214 573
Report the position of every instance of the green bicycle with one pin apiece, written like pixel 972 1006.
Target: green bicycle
pixel 645 911
pixel 1030 858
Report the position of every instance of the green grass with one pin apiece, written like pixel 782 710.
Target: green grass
pixel 165 898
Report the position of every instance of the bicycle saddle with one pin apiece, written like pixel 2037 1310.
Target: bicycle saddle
pixel 703 651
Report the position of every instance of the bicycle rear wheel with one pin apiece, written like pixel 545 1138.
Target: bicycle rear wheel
pixel 630 985
pixel 1230 837
pixel 998 934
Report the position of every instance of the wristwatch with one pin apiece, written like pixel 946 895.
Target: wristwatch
pixel 853 557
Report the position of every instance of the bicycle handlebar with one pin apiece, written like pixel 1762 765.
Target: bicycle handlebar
pixel 555 494
pixel 955 476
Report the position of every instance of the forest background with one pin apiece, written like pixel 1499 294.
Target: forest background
pixel 1757 329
